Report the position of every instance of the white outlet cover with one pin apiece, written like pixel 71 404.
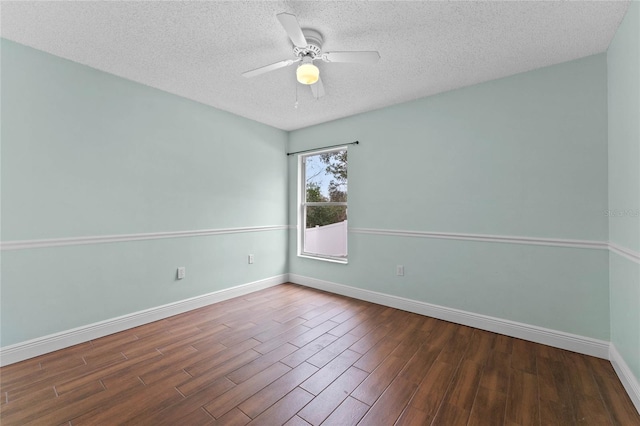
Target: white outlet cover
pixel 182 272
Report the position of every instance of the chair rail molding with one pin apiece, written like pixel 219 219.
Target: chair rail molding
pixel 101 239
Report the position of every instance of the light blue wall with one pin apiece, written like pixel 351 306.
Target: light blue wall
pixel 521 156
pixel 85 153
pixel 623 59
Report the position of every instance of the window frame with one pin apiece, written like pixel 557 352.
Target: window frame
pixel 302 207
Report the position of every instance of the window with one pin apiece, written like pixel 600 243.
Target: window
pixel 323 205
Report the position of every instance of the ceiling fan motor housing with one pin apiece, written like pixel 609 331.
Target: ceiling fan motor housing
pixel 314 44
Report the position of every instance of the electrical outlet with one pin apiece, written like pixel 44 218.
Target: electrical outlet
pixel 182 272
pixel 400 270
pixel 250 259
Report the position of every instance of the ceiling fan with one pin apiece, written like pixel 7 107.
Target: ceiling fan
pixel 307 47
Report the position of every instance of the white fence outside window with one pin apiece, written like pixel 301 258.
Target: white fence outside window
pixel 328 240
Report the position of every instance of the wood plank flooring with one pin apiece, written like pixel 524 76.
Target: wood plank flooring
pixel 296 356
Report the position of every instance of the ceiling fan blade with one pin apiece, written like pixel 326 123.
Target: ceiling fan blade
pixel 271 67
pixel 317 89
pixel 291 26
pixel 360 57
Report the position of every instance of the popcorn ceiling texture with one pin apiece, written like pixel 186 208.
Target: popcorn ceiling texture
pixel 199 49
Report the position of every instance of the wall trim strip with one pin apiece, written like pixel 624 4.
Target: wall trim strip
pixel 556 242
pixel 558 339
pixel 101 239
pixel 53 342
pixel 625 252
pixel 629 381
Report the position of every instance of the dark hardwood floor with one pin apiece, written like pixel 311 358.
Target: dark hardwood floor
pixel 296 356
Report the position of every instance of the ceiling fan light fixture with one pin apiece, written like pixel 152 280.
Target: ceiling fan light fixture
pixel 307 47
pixel 307 73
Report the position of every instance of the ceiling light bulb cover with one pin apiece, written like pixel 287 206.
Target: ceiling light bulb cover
pixel 307 73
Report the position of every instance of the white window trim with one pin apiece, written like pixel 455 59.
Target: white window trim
pixel 302 193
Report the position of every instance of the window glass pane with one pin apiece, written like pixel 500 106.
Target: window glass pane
pixel 326 230
pixel 326 176
pixel 325 215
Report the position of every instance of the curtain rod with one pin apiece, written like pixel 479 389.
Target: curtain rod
pixel 323 147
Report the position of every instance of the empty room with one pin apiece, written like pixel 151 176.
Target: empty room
pixel 320 213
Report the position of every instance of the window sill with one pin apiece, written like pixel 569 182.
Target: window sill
pixel 324 259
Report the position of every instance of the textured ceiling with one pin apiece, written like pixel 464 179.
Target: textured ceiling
pixel 199 49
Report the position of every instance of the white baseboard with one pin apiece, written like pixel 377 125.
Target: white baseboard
pixel 629 381
pixel 558 339
pixel 53 342
pixel 580 344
